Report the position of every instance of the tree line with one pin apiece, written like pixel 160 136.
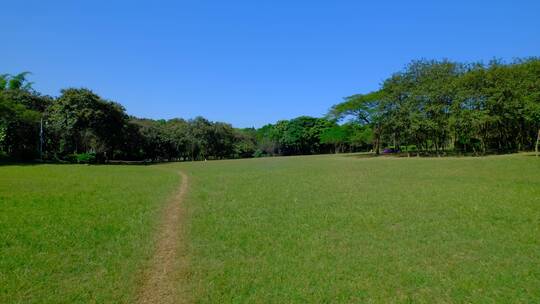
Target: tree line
pixel 80 126
pixel 439 107
pixel 430 107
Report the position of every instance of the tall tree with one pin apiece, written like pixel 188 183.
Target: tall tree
pixel 83 122
pixel 361 109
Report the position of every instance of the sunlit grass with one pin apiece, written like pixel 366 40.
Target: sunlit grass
pixel 77 234
pixel 333 229
pixel 318 229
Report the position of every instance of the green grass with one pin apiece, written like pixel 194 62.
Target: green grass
pixel 319 229
pixel 77 234
pixel 334 229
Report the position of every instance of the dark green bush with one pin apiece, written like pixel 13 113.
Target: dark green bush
pixel 81 158
pixel 259 153
pixel 86 158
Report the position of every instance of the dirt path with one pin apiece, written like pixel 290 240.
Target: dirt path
pixel 160 279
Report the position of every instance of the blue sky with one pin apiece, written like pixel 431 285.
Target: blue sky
pixel 249 62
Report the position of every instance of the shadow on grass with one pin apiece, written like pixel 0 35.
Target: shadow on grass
pixel 17 163
pixel 434 155
pixel 362 155
pixel 4 163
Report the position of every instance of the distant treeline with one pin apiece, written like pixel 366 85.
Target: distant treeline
pixel 432 107
pixel 440 106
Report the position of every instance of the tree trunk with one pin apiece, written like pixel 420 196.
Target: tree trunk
pixel 377 140
pixel 537 143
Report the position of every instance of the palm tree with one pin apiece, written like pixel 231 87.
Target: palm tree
pixel 19 82
pixel 4 78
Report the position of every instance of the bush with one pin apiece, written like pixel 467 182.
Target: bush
pixel 259 153
pixel 86 158
pixel 81 158
pixel 409 148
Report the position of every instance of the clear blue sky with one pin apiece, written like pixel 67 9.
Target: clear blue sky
pixel 249 62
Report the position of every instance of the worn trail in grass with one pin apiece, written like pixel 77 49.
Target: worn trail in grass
pixel 160 279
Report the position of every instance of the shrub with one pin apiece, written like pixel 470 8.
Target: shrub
pixel 409 148
pixel 259 153
pixel 81 158
pixel 86 158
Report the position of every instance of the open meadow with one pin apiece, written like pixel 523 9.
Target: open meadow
pixel 75 233
pixel 335 229
pixel 311 229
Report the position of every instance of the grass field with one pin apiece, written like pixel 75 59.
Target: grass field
pixel 77 234
pixel 334 229
pixel 316 229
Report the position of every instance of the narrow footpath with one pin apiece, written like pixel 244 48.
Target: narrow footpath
pixel 160 279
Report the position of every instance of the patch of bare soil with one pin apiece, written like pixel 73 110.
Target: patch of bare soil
pixel 160 279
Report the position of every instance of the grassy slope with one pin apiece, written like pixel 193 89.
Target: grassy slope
pixel 77 234
pixel 343 229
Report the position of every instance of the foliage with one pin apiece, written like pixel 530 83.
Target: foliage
pixel 442 105
pixel 19 121
pixel 436 106
pixel 85 158
pixel 80 121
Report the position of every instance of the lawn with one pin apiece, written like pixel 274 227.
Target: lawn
pixel 337 229
pixel 314 229
pixel 77 234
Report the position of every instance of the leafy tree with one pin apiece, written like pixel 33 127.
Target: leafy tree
pixel 336 136
pixel 20 112
pixel 19 82
pixel 435 106
pixel 300 135
pixel 362 109
pixel 245 142
pixel 83 122
pixel 17 128
pixel 267 140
